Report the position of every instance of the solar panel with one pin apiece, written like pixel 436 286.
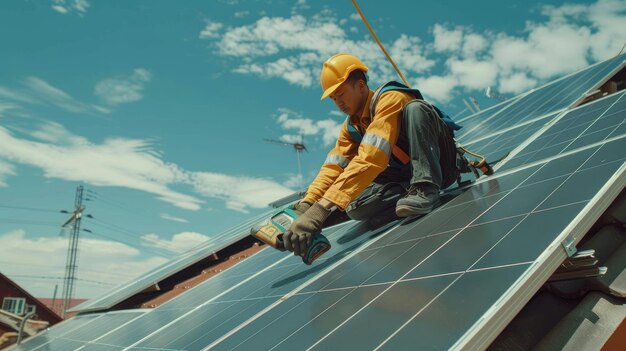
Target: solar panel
pixel 451 279
pixel 190 257
pixel 552 97
pixel 73 333
pixel 576 129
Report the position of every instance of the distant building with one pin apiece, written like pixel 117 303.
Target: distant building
pixel 56 305
pixel 15 304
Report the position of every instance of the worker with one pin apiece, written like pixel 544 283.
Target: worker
pixel 368 178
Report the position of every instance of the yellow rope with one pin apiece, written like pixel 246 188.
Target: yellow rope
pixel 471 153
pixel 380 44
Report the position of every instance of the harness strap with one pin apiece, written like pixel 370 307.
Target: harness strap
pixel 418 95
pixel 402 157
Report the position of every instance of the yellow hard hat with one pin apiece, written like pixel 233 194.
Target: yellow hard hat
pixel 336 70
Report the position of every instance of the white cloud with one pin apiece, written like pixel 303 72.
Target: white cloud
pixel 6 169
pixel 10 94
pixel 294 48
pixel 211 30
pixel 446 40
pixel 607 17
pixel 568 38
pixel 438 88
pixel 122 90
pixel 60 9
pixel 473 43
pixel 116 162
pixel 42 90
pixel 179 243
pixel 327 129
pixel 355 17
pixel 105 261
pixel 53 132
pixel 516 83
pixel 66 6
pixel 239 193
pixel 173 219
pixel 473 74
pixel 129 163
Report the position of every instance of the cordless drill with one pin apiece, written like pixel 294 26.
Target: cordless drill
pixel 271 232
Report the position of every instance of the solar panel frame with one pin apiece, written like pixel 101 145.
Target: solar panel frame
pixel 606 69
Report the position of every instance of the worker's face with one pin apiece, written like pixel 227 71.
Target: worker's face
pixel 350 97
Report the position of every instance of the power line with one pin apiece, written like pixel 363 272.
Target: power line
pixel 44 277
pixel 30 208
pixel 129 244
pixel 22 264
pixel 18 221
pixel 128 233
pixel 92 195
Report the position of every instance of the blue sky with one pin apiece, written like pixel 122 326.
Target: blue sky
pixel 160 108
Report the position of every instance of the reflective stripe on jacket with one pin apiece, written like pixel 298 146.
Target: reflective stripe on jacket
pixel 349 167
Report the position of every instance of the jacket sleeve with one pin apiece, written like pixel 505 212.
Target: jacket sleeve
pixel 374 151
pixel 336 161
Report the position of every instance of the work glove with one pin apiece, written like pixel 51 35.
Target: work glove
pixel 301 232
pixel 301 206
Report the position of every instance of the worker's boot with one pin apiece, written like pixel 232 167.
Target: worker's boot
pixel 421 199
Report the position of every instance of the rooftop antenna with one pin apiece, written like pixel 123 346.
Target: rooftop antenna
pixel 298 147
pixel 492 94
pixel 474 103
pixel 469 107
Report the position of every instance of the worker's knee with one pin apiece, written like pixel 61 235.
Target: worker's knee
pixel 375 200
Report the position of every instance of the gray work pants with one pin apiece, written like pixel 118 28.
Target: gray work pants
pixel 426 138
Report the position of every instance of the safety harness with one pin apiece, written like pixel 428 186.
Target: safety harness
pixel 401 159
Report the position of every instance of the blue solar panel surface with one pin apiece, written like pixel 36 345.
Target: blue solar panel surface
pixel 134 286
pixel 416 284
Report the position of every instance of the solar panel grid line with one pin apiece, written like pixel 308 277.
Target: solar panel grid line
pixel 569 129
pixel 505 323
pixel 466 271
pixel 597 119
pixel 562 93
pixel 531 139
pixel 89 324
pixel 414 316
pixel 483 179
pixel 492 116
pixel 503 311
pixel 576 120
pixel 410 271
pixel 501 144
pixel 488 111
pixel 207 302
pixel 97 304
pixel 442 292
pixel 499 105
pixel 30 340
pixel 508 129
pixel 113 330
pixel 402 277
pixel 338 226
pixel 296 290
pixel 293 308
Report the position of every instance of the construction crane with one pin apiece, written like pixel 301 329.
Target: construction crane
pixel 298 147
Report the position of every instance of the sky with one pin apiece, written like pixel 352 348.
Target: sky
pixel 161 109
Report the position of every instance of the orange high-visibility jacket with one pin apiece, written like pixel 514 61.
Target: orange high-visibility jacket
pixel 350 167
